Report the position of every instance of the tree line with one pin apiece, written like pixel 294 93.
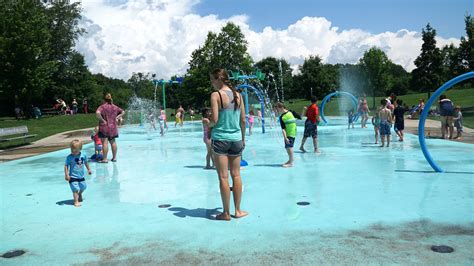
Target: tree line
pixel 38 64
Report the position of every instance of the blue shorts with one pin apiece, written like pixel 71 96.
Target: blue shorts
pixel 290 145
pixel 78 186
pixel 385 128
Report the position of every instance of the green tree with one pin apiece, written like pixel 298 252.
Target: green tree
pixel 466 48
pixel 226 49
pixel 399 79
pixel 428 72
pixel 452 66
pixel 270 66
pixel 320 77
pixel 142 85
pixel 26 69
pixel 376 65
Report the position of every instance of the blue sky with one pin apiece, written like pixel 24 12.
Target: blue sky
pixel 122 34
pixel 447 17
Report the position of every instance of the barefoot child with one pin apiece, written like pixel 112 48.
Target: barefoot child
pixel 398 114
pixel 376 123
pixel 97 145
pixel 162 121
pixel 288 125
pixel 458 122
pixel 206 130
pixel 350 117
pixel 251 119
pixel 385 122
pixel 74 171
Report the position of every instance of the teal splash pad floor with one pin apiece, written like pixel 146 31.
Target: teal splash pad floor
pixel 366 204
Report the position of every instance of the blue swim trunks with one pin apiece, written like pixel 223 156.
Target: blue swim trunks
pixel 385 128
pixel 291 144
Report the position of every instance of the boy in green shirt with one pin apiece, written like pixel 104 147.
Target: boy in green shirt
pixel 288 125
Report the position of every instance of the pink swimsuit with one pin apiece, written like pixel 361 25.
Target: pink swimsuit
pixel 205 131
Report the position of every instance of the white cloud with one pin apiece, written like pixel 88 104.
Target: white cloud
pixel 159 37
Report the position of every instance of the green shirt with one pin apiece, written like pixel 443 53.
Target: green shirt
pixel 288 123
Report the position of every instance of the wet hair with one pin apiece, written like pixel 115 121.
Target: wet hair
pixel 76 145
pixel 221 75
pixel 280 105
pixel 108 97
pixel 383 102
pixel 314 99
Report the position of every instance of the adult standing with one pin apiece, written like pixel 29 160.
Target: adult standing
pixel 311 125
pixel 446 111
pixel 74 106
pixel 85 106
pixel 228 139
pixel 108 114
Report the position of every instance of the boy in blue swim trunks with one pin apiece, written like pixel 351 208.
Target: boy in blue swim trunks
pixel 74 171
pixel 385 116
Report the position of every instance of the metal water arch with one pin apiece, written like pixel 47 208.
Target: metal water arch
pixel 424 115
pixel 337 93
pixel 261 99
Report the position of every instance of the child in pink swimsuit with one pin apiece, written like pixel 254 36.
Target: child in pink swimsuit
pixel 206 136
pixel 251 121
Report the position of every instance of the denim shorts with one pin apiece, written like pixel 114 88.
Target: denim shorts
pixel 227 148
pixel 78 186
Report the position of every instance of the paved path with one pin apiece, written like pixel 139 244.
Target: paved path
pixel 433 130
pixel 52 143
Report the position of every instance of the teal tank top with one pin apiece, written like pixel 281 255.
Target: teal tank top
pixel 228 124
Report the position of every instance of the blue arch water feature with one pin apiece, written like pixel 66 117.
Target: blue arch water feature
pixel 337 93
pixel 243 88
pixel 424 114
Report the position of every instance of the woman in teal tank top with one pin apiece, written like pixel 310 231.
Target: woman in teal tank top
pixel 228 140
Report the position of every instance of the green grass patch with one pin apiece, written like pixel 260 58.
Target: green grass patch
pixel 48 126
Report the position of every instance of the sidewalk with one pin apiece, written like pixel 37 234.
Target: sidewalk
pixel 433 130
pixel 52 143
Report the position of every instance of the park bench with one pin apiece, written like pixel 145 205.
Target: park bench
pixel 13 131
pixel 50 111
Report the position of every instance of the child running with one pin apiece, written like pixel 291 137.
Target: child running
pixel 251 119
pixel 385 123
pixel 74 171
pixel 458 122
pixel 206 136
pixel 288 125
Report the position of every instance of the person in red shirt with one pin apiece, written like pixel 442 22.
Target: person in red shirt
pixel 311 125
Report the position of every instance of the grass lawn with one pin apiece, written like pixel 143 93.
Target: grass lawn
pixel 48 126
pixel 339 106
